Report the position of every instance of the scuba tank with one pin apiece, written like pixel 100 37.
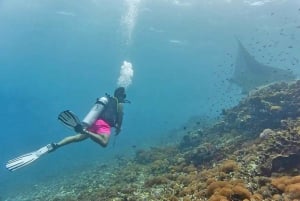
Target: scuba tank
pixel 94 113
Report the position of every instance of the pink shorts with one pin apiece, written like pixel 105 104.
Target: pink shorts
pixel 100 127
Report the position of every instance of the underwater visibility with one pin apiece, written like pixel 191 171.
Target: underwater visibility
pixel 139 100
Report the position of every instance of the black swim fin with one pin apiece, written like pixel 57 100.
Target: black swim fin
pixel 69 119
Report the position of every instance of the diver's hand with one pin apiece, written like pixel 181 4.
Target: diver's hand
pixel 78 128
pixel 118 130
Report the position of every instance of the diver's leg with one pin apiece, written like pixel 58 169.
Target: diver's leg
pixel 71 139
pixel 101 139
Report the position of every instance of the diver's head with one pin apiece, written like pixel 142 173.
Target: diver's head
pixel 120 94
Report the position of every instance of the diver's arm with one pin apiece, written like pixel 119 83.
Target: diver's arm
pixel 119 118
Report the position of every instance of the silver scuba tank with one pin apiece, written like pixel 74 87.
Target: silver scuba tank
pixel 94 113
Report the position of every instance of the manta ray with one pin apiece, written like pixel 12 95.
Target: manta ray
pixel 250 74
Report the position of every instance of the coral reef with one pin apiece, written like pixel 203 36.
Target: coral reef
pixel 251 154
pixel 288 185
pixel 265 108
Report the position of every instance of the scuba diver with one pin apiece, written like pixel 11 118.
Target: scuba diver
pixel 105 114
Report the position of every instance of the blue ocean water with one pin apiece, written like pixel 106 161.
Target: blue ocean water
pixel 57 55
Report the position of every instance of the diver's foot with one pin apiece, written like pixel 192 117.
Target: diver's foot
pixel 53 147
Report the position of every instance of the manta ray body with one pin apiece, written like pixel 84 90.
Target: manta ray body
pixel 250 74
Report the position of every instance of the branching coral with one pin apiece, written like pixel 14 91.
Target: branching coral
pixel 156 181
pixel 288 185
pixel 229 190
pixel 229 166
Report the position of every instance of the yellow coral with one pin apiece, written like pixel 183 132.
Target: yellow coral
pixel 293 190
pixel 226 189
pixel 289 185
pixel 241 191
pixel 229 166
